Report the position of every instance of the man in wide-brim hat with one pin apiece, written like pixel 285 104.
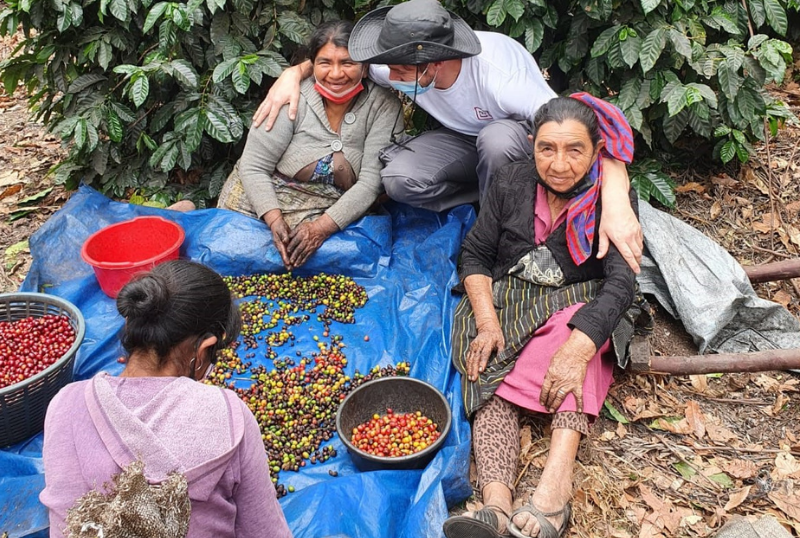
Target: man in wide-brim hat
pixel 483 88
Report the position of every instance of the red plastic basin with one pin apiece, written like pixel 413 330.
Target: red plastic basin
pixel 119 251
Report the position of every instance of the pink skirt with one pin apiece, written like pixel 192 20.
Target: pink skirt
pixel 523 385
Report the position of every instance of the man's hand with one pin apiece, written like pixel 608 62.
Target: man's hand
pixel 621 227
pixel 284 90
pixel 618 223
pixel 567 372
pixel 307 238
pixel 280 233
pixel 489 339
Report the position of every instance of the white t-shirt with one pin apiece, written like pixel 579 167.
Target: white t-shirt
pixel 502 82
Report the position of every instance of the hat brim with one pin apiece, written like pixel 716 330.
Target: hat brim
pixel 363 45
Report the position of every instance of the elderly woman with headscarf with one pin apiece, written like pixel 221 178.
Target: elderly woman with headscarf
pixel 543 319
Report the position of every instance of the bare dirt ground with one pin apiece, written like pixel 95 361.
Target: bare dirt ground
pixel 675 455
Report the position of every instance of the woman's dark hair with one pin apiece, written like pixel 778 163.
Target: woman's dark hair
pixel 335 32
pixel 177 300
pixel 562 109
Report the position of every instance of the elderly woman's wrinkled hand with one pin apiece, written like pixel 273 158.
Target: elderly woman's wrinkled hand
pixel 280 234
pixel 489 339
pixel 307 238
pixel 567 372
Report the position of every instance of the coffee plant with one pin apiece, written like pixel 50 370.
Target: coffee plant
pixel 154 97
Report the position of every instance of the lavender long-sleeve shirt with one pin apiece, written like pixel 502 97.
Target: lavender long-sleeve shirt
pixel 94 428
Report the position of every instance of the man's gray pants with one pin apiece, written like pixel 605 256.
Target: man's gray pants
pixel 440 169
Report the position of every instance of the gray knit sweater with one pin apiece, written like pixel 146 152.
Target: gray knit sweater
pixel 290 146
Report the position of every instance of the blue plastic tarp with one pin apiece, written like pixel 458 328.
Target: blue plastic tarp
pixel 404 258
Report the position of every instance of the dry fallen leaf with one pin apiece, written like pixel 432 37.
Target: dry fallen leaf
pixel 525 439
pixel 761 227
pixel 691 186
pixel 694 416
pixel 736 498
pixel 739 468
pixel 622 431
pixel 699 383
pixel 718 433
pixel 716 209
pixel 789 504
pixel 786 466
pixel 782 298
pixel 724 180
pixel 793 207
pixel 681 427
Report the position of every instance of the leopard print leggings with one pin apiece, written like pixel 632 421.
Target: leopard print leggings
pixel 495 438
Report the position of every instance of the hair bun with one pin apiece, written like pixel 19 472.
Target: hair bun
pixel 147 296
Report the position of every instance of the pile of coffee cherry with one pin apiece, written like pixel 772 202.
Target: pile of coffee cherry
pixel 29 345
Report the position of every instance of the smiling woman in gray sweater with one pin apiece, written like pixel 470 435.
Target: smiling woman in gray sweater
pixel 311 177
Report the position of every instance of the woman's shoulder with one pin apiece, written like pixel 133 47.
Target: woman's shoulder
pixel 516 173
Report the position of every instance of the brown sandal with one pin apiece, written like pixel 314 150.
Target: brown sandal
pixel 482 524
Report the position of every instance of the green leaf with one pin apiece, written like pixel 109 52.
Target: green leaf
pixel 604 41
pixel 34 198
pixel 662 188
pixel 152 17
pixel 119 9
pixel 139 89
pixel 677 99
pixel 649 5
pixel 755 41
pixel 114 125
pixel 80 133
pixel 193 130
pixel 216 128
pixel 615 414
pixel 756 8
pixel 722 130
pixel 722 479
pixel 496 14
pixel 515 8
pixel 754 70
pixel 729 81
pixel 630 50
pixel 685 470
pixel 184 73
pixel 92 136
pixel 681 43
pixel 675 125
pixel 240 78
pixel 84 81
pixel 706 92
pixel 534 34
pixel 728 151
pixel 629 92
pixel 104 55
pixel 223 70
pixel 776 16
pixel 654 43
pixel 596 70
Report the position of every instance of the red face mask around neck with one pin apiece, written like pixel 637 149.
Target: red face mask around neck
pixel 341 97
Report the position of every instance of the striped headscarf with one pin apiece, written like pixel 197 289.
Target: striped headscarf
pixel 618 137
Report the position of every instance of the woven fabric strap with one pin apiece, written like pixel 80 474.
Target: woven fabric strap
pixel 618 137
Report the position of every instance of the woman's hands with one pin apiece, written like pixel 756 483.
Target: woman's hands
pixel 490 336
pixel 567 372
pixel 489 339
pixel 307 238
pixel 296 246
pixel 280 233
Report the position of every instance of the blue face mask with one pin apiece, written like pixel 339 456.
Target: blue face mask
pixel 410 88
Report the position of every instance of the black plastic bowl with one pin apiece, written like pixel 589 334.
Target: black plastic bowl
pixel 402 395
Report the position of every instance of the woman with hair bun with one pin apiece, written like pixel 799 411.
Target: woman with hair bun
pixel 201 464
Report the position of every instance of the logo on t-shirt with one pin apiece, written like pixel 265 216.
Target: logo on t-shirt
pixel 483 115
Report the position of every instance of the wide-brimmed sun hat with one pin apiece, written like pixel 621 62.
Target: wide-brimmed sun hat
pixel 414 32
